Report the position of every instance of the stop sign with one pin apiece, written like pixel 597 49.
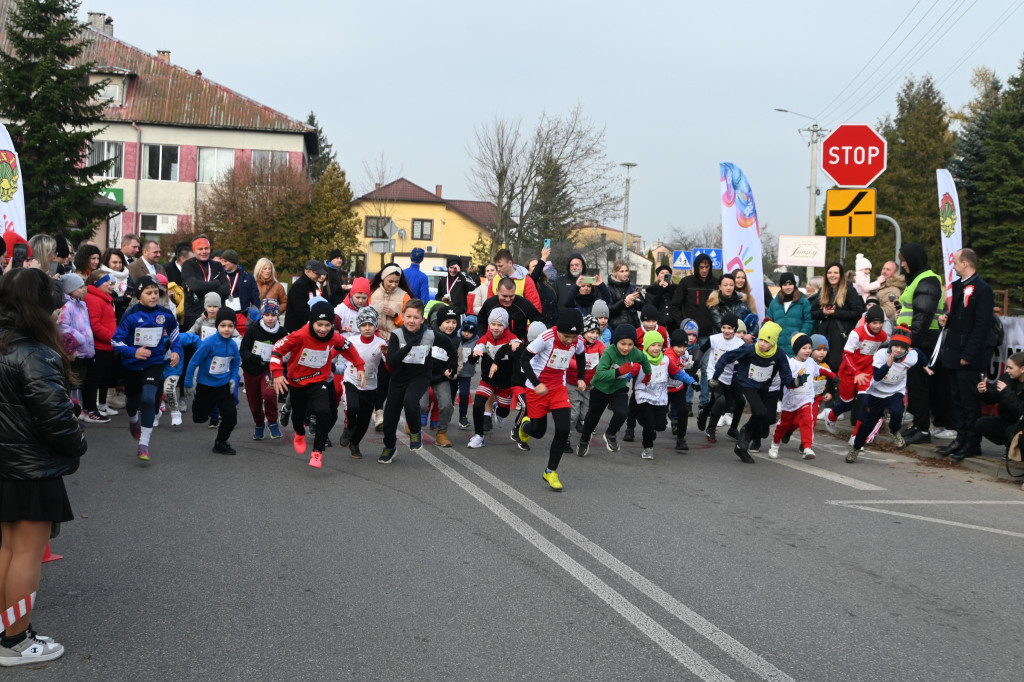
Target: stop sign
pixel 853 155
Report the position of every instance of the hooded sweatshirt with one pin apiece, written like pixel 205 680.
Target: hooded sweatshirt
pixel 860 349
pixel 346 311
pixel 308 357
pixel 217 361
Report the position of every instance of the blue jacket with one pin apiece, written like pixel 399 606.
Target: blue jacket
pixel 214 352
pixel 245 289
pixel 188 340
pixel 746 357
pixel 418 282
pixel 141 318
pixel 796 320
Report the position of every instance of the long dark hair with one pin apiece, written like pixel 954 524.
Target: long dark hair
pixel 26 309
pixel 834 296
pixel 403 283
pixel 82 257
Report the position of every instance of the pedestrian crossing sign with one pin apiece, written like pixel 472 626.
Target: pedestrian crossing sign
pixel 681 260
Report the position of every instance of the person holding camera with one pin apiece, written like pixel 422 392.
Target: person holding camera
pixel 660 294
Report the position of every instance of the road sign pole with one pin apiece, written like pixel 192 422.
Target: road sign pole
pixel 899 234
pixel 812 212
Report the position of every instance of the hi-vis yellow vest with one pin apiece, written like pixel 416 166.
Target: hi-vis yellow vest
pixel 520 286
pixel 906 316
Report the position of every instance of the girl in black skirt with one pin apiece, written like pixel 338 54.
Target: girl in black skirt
pixel 40 442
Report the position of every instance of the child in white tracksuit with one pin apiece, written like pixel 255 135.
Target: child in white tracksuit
pixel 651 390
pixel 798 403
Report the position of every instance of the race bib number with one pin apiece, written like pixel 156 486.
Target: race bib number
pixel 262 349
pixel 313 358
pixel 206 332
pixel 492 350
pixel 559 359
pixel 659 374
pixel 759 374
pixel 416 356
pixel 234 304
pixel 819 386
pixel 467 351
pixel 895 375
pixel 220 365
pixel 869 347
pixel 592 360
pixel 439 353
pixel 353 374
pixel 805 389
pixel 148 336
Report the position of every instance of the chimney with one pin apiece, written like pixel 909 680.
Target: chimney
pixel 437 191
pixel 376 185
pixel 96 20
pixel 164 55
pixel 108 26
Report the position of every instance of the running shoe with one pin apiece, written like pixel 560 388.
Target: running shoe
pixel 628 436
pixel 257 432
pixel 851 456
pixel 702 418
pixel 809 454
pixel 346 436
pixel 464 423
pixel 709 433
pixel 387 456
pixel 519 437
pixel 92 418
pixel 648 453
pixel 316 459
pixel 175 417
pixel 476 441
pixel 611 442
pixel 223 449
pixel 552 478
pixel 583 449
pixel 498 419
pixel 286 412
pixel 733 433
pixel 415 441
pixel 755 445
pixel 899 441
pixel 135 428
pixel 107 411
pixel 353 450
pixel 275 430
pixel 299 443
pixel 33 649
pixel 144 453
pixel 773 451
pixel 831 426
pixel 214 424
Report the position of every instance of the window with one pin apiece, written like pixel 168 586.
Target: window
pixel 422 229
pixel 263 158
pixel 375 227
pixel 160 162
pixel 100 151
pixel 214 163
pixel 110 93
pixel 152 225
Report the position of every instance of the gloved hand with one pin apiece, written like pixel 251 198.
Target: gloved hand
pixel 636 369
pixel 626 369
pixel 713 383
pixel 802 379
pixel 189 393
pixel 232 385
pixel 627 377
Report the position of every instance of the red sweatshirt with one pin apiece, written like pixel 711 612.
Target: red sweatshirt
pixel 640 331
pixel 101 317
pixel 859 352
pixel 308 358
pixel 593 352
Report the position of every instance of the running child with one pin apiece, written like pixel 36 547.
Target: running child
pixel 467 341
pixel 620 362
pixel 147 332
pixel 724 396
pixel 211 378
pixel 593 347
pixel 495 373
pixel 545 363
pixel 798 403
pixel 445 367
pixel 410 361
pixel 855 370
pixel 648 322
pixel 821 382
pixel 360 396
pixel 885 392
pixel 684 351
pixel 309 353
pixel 256 350
pixel 651 390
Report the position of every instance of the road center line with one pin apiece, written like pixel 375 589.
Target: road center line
pixel 824 473
pixel 648 626
pixel 694 620
pixel 969 526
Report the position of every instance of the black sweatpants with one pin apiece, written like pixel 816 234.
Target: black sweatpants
pixel 995 428
pixel 677 401
pixel 359 410
pixel 319 400
pixel 403 394
pixel 758 400
pixel 727 399
pixel 653 418
pixel 383 382
pixel 220 396
pixel 96 379
pixel 599 400
pixel 536 428
pixel 872 410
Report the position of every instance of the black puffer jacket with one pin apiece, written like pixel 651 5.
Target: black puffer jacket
pixel 927 295
pixel 564 283
pixel 39 434
pixel 620 314
pixel 661 296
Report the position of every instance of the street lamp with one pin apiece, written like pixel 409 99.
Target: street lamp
pixel 816 131
pixel 625 216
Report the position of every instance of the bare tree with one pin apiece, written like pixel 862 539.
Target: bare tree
pixel 498 154
pixel 707 237
pixel 383 200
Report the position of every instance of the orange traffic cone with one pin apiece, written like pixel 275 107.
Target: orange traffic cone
pixel 47 557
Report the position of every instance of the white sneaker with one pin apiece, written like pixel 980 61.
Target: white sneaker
pixel 725 420
pixel 831 426
pixel 106 411
pixel 943 434
pixel 92 418
pixel 378 420
pixel 183 405
pixel 809 454
pixel 823 415
pixel 648 453
pixel 476 441
pixel 33 649
pixel 116 400
pixel 498 421
pixel 773 451
pixel 175 418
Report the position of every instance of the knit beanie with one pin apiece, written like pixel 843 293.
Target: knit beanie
pixel 819 341
pixel 600 308
pixel 624 331
pixel 801 340
pixel 653 337
pixel 360 285
pixel 367 315
pixel 270 307
pixel 769 332
pixel 469 326
pixel 71 282
pixel 212 298
pixel 570 321
pixel 447 313
pixel 417 255
pixel 861 263
pixel 590 324
pixel 534 330
pixel 499 315
pixel 731 320
pixel 649 312
pixel 690 325
pixel 787 278
pixel 900 337
pixel 679 338
pixel 321 310
pixel 874 314
pixel 225 315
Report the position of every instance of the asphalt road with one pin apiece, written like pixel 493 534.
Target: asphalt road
pixel 462 564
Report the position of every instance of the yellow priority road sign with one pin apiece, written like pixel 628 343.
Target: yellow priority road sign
pixel 850 212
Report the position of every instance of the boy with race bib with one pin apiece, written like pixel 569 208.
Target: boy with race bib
pixel 651 390
pixel 798 403
pixel 855 369
pixel 361 396
pixel 257 347
pixel 410 361
pixel 211 378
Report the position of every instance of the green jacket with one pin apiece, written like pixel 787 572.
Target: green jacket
pixel 607 378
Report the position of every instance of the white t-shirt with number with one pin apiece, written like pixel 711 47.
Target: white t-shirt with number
pixel 371 352
pixel 895 380
pixel 795 398
pixel 719 347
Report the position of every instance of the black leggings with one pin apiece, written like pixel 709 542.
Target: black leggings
pixel 599 400
pixel 319 400
pixel 677 401
pixel 96 380
pixel 403 394
pixel 359 410
pixel 726 398
pixel 653 418
pixel 383 382
pixel 758 400
pixel 996 429
pixel 208 397
pixel 142 392
pixel 479 405
pixel 538 427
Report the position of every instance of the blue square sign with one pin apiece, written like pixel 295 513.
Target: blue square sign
pixel 681 260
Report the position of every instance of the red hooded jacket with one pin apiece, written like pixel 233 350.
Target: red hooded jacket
pixel 308 358
pixel 101 317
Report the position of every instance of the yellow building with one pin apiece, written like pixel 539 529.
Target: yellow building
pixel 424 219
pixel 591 232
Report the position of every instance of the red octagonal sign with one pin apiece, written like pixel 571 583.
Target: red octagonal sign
pixel 853 155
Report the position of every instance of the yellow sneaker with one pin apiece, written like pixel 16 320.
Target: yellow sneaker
pixel 552 479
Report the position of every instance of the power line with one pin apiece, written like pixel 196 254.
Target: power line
pixel 868 63
pixel 882 63
pixel 986 34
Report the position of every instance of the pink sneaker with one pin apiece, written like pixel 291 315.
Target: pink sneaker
pixel 144 453
pixel 135 429
pixel 315 460
pixel 299 443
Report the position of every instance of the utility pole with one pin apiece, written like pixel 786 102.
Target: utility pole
pixel 816 132
pixel 625 216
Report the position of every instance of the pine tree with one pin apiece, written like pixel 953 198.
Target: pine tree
pixel 53 116
pixel 551 215
pixel 325 156
pixel 334 222
pixel 970 146
pixel 997 220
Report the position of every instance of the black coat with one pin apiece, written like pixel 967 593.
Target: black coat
pixel 548 298
pixel 299 294
pixel 461 285
pixel 618 313
pixel 969 325
pixel 520 314
pixel 837 327
pixel 39 434
pixel 660 297
pixel 690 299
pixel 199 279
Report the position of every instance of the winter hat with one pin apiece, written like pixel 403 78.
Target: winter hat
pixel 161 280
pixel 225 314
pixel 624 331
pixel 653 336
pixel 447 313
pixel 874 314
pixel 900 337
pixel 678 338
pixel 321 310
pixel 217 253
pixel 230 255
pixel 731 320
pixel 367 315
pixel 741 327
pixel 590 323
pixel 801 340
pixel 819 341
pixel 335 253
pixel 417 255
pixel 649 312
pixel 599 309
pixel 690 326
pixel 469 326
pixel 71 282
pixel 454 260
pixel 270 307
pixel 212 298
pixel 769 332
pixel 313 300
pixel 360 285
pixel 534 330
pixel 662 268
pixel 787 278
pixel 498 315
pixel 861 263
pixel 11 238
pixel 145 282
pixel 570 321
pixel 871 299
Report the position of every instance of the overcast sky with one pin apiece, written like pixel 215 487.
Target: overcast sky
pixel 679 86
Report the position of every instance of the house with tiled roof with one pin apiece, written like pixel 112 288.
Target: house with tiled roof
pixel 442 227
pixel 171 132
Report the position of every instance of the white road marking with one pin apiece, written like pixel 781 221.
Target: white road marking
pixel 839 450
pixel 926 501
pixel 945 522
pixel 823 473
pixel 648 626
pixel 698 623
